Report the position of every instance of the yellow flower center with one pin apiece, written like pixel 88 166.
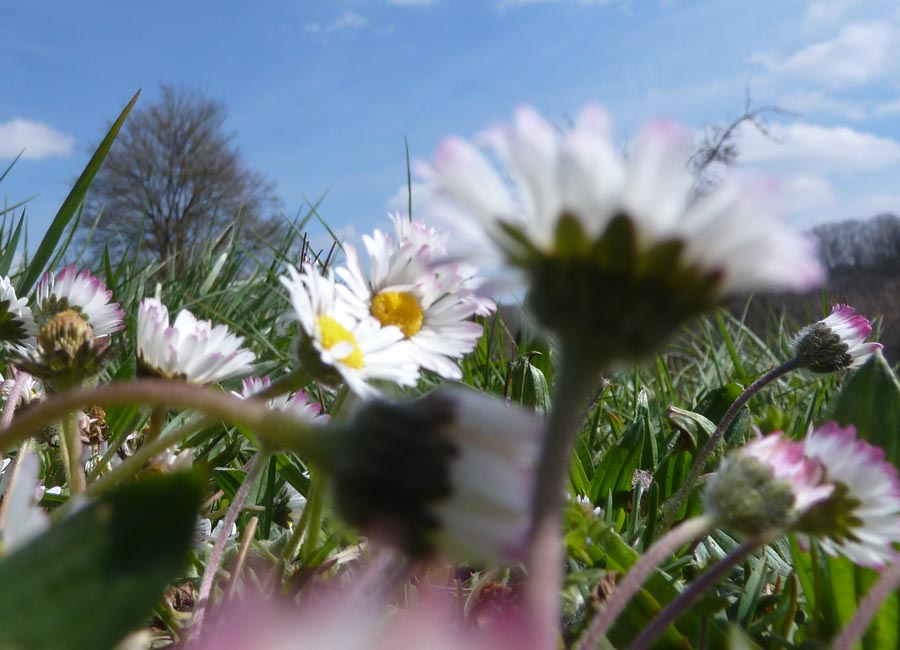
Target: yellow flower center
pixel 398 308
pixel 332 333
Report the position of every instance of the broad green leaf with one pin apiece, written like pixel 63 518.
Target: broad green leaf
pixel 528 386
pixel 616 469
pixel 870 400
pixel 70 206
pixel 96 575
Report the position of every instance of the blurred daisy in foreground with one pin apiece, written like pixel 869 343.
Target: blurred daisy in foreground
pixel 451 471
pixel 189 349
pixel 432 308
pixel 334 345
pixel 617 252
pixel 836 342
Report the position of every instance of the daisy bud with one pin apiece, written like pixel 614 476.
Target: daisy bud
pixel 766 486
pixel 861 518
pixel 452 471
pixel 66 352
pixel 835 343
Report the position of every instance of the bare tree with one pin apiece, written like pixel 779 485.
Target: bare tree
pixel 174 180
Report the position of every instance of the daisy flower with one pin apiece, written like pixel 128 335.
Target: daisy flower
pixel 432 242
pixel 189 349
pixel 835 343
pixel 81 292
pixel 31 388
pixel 451 471
pixel 297 403
pixel 432 309
pixel 17 325
pixel 334 345
pixel 861 520
pixel 766 485
pixel 617 252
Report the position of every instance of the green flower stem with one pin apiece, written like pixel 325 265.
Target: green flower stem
pixel 575 383
pixel 689 596
pixel 70 445
pixel 868 608
pixel 673 505
pixel 684 534
pixel 277 429
pixel 157 422
pixel 315 505
pixel 293 543
pixel 215 558
pixel 319 488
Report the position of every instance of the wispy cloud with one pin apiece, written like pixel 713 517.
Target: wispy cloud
pixel 38 140
pixel 410 3
pixel 348 20
pixel 827 12
pixel 859 53
pixel 806 148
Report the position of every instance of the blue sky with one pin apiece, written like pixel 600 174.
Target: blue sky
pixel 322 94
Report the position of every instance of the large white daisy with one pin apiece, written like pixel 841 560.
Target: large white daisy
pixel 432 308
pixel 334 345
pixel 613 248
pixel 189 349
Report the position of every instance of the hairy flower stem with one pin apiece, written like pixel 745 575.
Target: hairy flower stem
pixel 70 445
pixel 575 383
pixel 689 596
pixel 275 428
pixel 673 506
pixel 215 558
pixel 686 533
pixel 197 423
pixel 868 608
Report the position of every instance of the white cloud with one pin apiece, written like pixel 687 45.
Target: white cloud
pixel 806 192
pixel 38 140
pixel 827 12
pixel 808 148
pixel 411 3
pixel 859 53
pixel 812 102
pixel 347 20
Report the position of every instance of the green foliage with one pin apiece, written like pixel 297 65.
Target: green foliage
pixel 96 575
